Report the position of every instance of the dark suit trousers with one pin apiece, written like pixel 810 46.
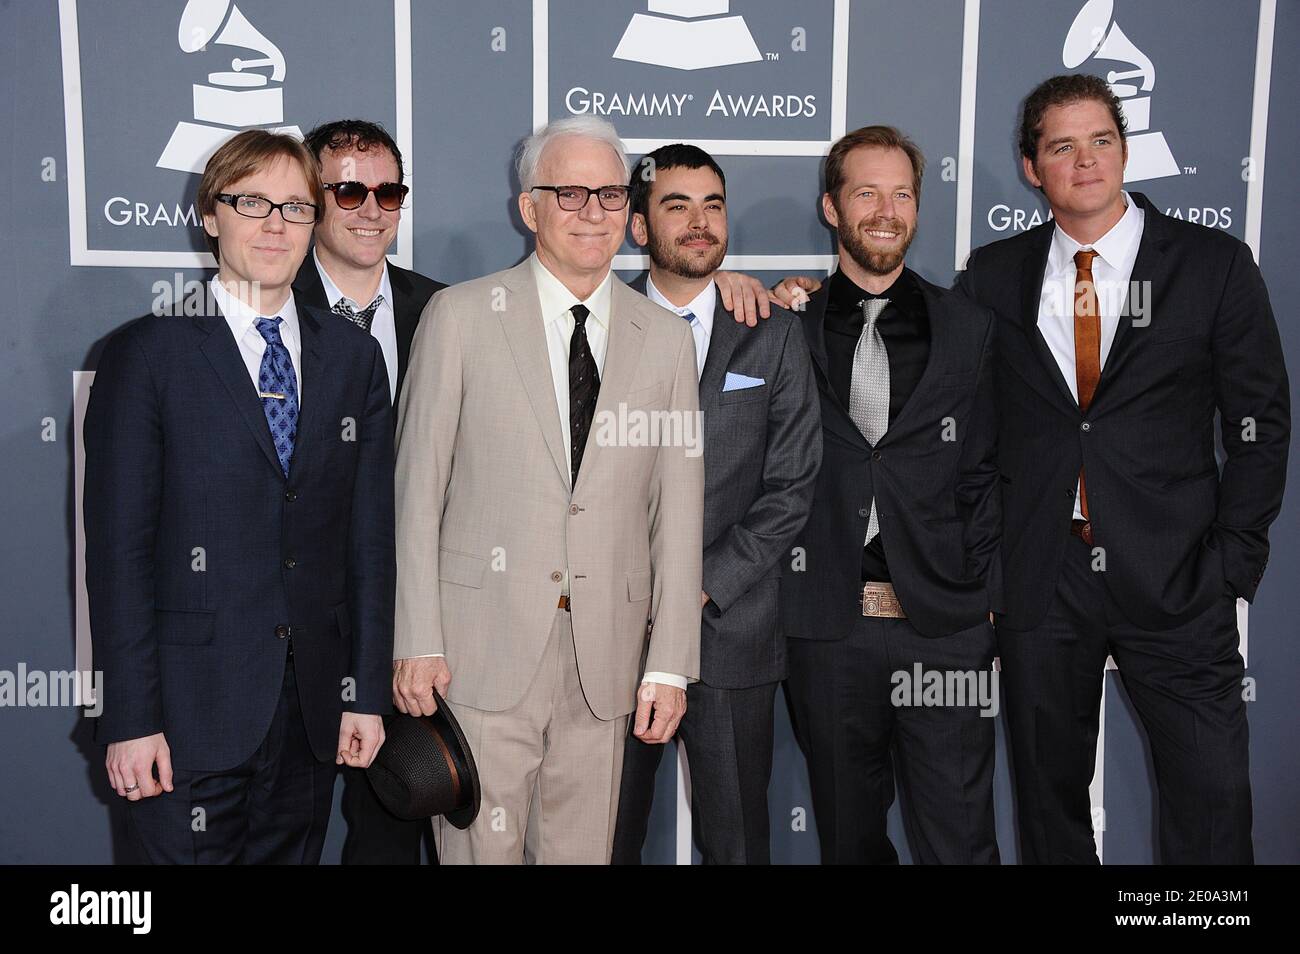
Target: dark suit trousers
pixel 272 808
pixel 728 738
pixel 855 739
pixel 375 836
pixel 1185 684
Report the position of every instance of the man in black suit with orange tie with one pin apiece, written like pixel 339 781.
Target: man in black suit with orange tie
pixel 239 538
pixel 892 580
pixel 348 273
pixel 1121 332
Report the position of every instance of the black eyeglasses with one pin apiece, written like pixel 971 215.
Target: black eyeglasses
pixel 612 198
pixel 352 195
pixel 259 207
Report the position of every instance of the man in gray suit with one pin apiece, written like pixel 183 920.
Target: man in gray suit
pixel 550 501
pixel 762 443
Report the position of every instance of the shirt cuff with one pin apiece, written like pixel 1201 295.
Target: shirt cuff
pixel 666 679
pixel 423 656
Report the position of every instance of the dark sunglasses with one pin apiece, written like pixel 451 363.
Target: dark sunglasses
pixel 352 195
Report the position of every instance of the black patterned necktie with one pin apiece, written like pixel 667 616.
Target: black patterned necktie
pixel 363 317
pixel 584 387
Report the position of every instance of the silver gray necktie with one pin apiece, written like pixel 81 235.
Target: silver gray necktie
pixel 869 387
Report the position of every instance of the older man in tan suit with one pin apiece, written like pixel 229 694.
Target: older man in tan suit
pixel 549 511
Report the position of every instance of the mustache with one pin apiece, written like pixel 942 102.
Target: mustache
pixel 896 224
pixel 701 236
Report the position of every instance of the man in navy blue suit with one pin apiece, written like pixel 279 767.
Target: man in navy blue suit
pixel 239 538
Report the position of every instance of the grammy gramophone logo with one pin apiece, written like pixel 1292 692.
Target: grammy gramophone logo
pixel 1095 35
pixel 233 99
pixel 687 35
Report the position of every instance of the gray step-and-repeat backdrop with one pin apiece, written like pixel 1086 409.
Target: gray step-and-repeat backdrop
pixel 111 107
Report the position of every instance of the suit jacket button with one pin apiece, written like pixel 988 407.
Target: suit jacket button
pixel 291 495
pixel 1085 427
pixel 875 455
pixel 290 563
pixel 573 508
pixel 863 512
pixel 1070 492
pixel 281 631
pixel 557 576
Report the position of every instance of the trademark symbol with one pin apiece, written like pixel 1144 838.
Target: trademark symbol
pixel 772 56
pixel 1189 170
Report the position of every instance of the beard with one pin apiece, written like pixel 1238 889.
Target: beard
pixel 672 258
pixel 873 260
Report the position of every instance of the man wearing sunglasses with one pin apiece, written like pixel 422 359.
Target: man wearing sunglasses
pixel 349 274
pixel 239 538
pixel 348 271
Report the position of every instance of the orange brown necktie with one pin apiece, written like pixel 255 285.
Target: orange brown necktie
pixel 1087 352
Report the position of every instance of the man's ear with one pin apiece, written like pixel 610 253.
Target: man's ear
pixel 828 210
pixel 1030 173
pixel 640 234
pixel 210 224
pixel 528 210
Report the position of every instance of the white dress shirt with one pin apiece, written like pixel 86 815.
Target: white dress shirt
pixel 252 346
pixel 701 327
pixel 384 325
pixel 556 301
pixel 1111 270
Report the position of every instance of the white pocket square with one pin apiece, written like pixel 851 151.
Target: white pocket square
pixel 738 382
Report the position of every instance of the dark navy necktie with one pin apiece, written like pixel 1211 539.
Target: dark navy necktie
pixel 278 389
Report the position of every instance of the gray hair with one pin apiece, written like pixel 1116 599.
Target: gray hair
pixel 584 127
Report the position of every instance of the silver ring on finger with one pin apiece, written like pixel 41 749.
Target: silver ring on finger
pixel 132 788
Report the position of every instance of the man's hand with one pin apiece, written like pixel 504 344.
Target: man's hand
pixel 360 737
pixel 744 296
pixel 793 292
pixel 668 704
pixel 130 767
pixel 414 682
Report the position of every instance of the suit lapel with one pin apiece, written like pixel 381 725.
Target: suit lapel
pixel 222 353
pixel 314 375
pixel 622 354
pixel 405 316
pixel 722 344
pixel 814 320
pixel 814 316
pixel 308 289
pixel 1149 270
pixel 1032 267
pixel 940 341
pixel 526 335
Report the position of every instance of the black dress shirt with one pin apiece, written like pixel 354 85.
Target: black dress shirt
pixel 905 328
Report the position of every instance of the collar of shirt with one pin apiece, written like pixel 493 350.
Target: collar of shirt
pixel 333 294
pixel 241 318
pixel 556 300
pixel 843 310
pixel 1118 248
pixel 701 306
